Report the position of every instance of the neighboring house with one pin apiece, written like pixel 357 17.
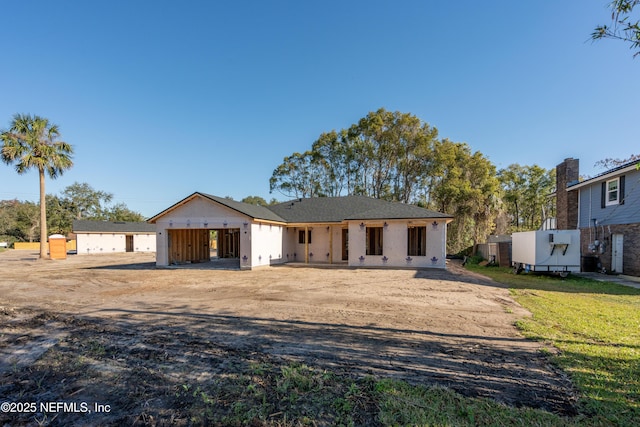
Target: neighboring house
pixel 353 230
pixel 606 209
pixel 114 236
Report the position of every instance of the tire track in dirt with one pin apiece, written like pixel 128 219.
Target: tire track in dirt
pixel 134 321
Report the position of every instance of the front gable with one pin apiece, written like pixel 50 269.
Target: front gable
pixel 198 210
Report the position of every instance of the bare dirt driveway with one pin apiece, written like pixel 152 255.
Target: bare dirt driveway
pixel 142 328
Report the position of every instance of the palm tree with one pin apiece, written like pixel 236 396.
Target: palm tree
pixel 31 143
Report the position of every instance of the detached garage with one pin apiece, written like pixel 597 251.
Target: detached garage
pixel 95 237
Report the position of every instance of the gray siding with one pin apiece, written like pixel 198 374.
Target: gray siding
pixel 627 213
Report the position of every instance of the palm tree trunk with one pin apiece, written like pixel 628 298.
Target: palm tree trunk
pixel 43 218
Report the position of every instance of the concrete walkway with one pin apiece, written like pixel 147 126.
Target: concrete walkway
pixel 620 279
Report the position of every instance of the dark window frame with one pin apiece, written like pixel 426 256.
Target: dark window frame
pixel 417 241
pixel 375 240
pixel 301 239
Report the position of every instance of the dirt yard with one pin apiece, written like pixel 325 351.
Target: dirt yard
pixel 116 331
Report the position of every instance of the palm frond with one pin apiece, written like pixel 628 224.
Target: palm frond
pixel 31 142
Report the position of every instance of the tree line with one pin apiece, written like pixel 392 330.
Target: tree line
pixel 397 157
pixel 387 155
pixel 20 220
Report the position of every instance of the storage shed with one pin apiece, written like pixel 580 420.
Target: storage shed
pixel 95 237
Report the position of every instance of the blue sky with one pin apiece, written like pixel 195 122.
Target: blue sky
pixel 164 98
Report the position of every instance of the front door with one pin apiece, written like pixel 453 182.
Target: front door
pixel 345 244
pixel 616 253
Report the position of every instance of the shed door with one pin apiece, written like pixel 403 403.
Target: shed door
pixel 128 243
pixel 616 253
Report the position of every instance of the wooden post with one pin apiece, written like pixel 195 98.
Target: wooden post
pixel 330 245
pixel 306 244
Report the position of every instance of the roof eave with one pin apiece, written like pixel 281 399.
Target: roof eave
pixel 448 219
pixel 603 177
pixel 255 218
pixel 219 201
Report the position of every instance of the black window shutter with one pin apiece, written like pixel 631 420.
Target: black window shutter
pixel 603 196
pixel 621 190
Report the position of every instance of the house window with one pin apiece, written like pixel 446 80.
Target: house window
pixel 301 236
pixel 417 241
pixel 613 192
pixel 374 240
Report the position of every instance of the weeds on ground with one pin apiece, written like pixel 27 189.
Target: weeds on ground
pixel 297 395
pixel 292 394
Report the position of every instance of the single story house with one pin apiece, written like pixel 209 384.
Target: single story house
pixel 114 236
pixel 606 210
pixel 356 231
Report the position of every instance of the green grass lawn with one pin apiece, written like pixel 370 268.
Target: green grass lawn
pixel 596 328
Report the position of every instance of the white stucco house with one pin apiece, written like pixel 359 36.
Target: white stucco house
pixel 95 237
pixel 355 231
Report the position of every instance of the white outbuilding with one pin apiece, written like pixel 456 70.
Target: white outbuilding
pixel 99 237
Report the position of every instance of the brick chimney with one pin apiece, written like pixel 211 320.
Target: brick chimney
pixel 567 172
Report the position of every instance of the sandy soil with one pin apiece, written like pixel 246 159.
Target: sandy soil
pixel 155 327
